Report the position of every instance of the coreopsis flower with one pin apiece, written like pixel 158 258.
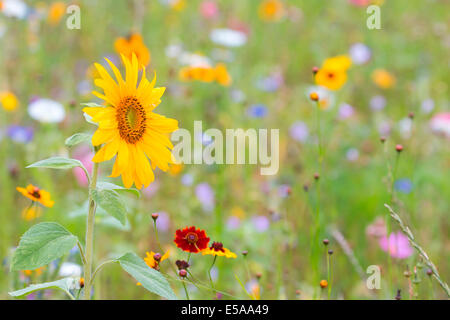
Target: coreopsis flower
pixel 8 101
pixel 37 195
pixel 128 127
pixel 217 249
pixel 271 10
pixel 191 239
pixel 383 79
pixel 30 213
pixel 206 73
pixel 133 44
pixel 56 12
pixel 333 73
pixel 152 262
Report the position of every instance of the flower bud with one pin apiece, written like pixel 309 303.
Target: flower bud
pixel 330 252
pixel 323 284
pixel 157 257
pixel 314 96
pixel 155 216
pixel 315 70
pixel 326 241
pixel 316 176
pixel 399 148
pixel 182 273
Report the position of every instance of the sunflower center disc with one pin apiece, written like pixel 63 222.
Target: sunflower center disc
pixel 131 119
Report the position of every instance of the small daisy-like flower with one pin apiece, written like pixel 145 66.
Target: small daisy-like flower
pixel 133 44
pixel 191 239
pixel 383 79
pixel 217 249
pixel 333 73
pixel 36 194
pixel 153 260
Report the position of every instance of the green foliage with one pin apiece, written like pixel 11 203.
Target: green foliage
pixel 42 244
pixel 150 279
pixel 57 163
pixel 111 186
pixel 110 201
pixel 63 284
pixel 77 138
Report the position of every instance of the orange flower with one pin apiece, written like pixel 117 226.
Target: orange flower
pixel 36 194
pixel 222 75
pixel 271 10
pixel 333 73
pixel 55 13
pixel 218 73
pixel 151 262
pixel 37 272
pixel 133 43
pixel 383 79
pixel 31 213
pixel 175 169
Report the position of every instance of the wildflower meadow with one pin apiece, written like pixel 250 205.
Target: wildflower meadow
pixel 224 150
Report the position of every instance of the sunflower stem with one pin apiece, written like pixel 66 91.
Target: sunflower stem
pixel 90 235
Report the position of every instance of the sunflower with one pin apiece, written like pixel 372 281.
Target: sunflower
pixel 36 194
pixel 133 44
pixel 217 249
pixel 191 239
pixel 127 126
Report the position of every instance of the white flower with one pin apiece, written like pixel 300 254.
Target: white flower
pixel 360 53
pixel 46 110
pixel 228 37
pixel 69 269
pixel 15 8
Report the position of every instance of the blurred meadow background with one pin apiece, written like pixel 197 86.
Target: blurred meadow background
pixel 396 90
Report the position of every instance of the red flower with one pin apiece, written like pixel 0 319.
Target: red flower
pixel 191 240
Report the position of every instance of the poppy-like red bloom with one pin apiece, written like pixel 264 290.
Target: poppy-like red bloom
pixel 191 239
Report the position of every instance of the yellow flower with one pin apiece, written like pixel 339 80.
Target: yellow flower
pixel 217 249
pixel 133 44
pixel 31 213
pixel 55 13
pixel 271 10
pixel 150 260
pixel 128 127
pixel 333 73
pixel 383 79
pixel 175 169
pixel 9 101
pixel 222 75
pixel 37 272
pixel 178 5
pixel 36 194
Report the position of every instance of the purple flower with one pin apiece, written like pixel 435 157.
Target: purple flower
pixel 257 111
pixel 20 134
pixel 270 83
pixel 233 223
pixel 345 111
pixel 377 103
pixel 403 185
pixel 360 53
pixel 397 246
pixel 284 190
pixel 187 179
pixel 261 223
pixel 205 195
pixel 299 131
pixel 163 221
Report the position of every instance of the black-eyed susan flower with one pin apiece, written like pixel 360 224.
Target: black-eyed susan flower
pixel 36 194
pixel 133 44
pixel 154 259
pixel 333 73
pixel 191 239
pixel 8 100
pixel 217 249
pixel 128 127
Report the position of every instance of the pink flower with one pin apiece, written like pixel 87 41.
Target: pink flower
pixel 85 155
pixel 360 3
pixel 440 124
pixel 398 245
pixel 209 9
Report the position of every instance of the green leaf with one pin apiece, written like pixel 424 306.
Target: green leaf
pixel 57 163
pixel 150 279
pixel 92 104
pixel 41 244
pixel 77 138
pixel 111 186
pixel 63 284
pixel 109 200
